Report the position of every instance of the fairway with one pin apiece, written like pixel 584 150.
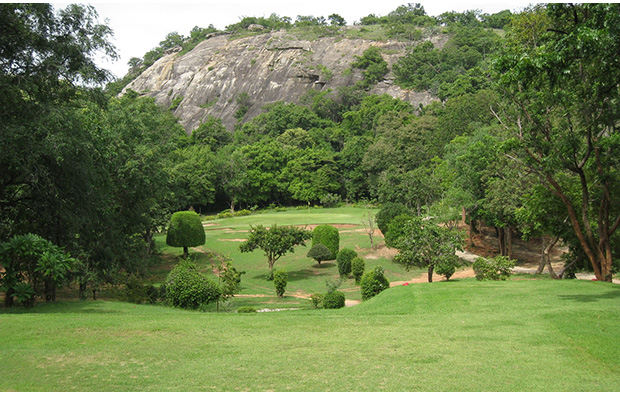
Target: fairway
pixel 465 335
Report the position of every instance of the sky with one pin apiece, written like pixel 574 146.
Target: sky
pixel 139 26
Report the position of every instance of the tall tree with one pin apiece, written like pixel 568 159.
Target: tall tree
pixel 560 69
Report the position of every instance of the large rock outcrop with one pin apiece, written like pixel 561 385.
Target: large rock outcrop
pixel 221 73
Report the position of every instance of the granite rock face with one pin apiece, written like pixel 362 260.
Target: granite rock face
pixel 221 74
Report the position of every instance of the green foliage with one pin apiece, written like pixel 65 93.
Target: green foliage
pixel 185 230
pixel 425 244
pixel 279 281
pixel 275 241
pixel 496 269
pixel 135 290
pixel 446 72
pixel 175 103
pixel 387 213
pixel 316 299
pixel 344 258
pixel 35 263
pixel 358 266
pixel 319 253
pixel 330 200
pixel 373 282
pixel 333 300
pixel 373 65
pixel 329 236
pixel 189 289
pixel 230 278
pixel 396 229
pixel 246 309
pixel 212 133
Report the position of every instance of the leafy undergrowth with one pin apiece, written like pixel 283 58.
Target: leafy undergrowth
pixel 461 335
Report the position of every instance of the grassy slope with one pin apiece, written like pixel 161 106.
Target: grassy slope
pixel 464 335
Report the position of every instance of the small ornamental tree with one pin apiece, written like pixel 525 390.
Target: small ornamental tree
pixel 425 244
pixel 358 265
pixel 185 230
pixel 373 282
pixel 275 241
pixel 329 237
pixel 344 261
pixel 319 253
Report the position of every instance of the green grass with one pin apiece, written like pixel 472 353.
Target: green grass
pixel 528 335
pixel 304 275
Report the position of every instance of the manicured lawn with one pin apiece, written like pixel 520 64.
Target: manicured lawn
pixel 520 335
pixel 304 276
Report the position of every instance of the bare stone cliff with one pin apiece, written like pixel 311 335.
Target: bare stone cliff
pixel 221 73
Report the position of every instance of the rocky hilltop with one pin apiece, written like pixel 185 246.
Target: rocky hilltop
pixel 220 74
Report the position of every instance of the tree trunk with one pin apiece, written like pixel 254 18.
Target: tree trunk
pixel 430 273
pixel 509 242
pixel 501 240
pixel 82 290
pixel 185 252
pixel 471 230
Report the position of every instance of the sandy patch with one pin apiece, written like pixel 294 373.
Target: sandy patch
pixel 237 240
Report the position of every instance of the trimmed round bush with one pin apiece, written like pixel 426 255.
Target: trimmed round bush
pixel 358 265
pixel 189 289
pixel 329 237
pixel 185 230
pixel 387 213
pixel 373 282
pixel 344 258
pixel 279 281
pixel 319 253
pixel 333 300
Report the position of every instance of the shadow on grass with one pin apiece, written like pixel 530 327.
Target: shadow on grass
pixel 591 298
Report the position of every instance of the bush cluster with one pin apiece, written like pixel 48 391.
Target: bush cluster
pixel 344 258
pixel 136 291
pixel 246 309
pixel 187 288
pixel 373 282
pixel 498 268
pixel 333 300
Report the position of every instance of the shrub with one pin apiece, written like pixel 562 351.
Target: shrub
pixel 498 268
pixel 135 291
pixel 225 214
pixel 185 230
pixel 373 283
pixel 396 229
pixel 447 267
pixel 243 213
pixel 187 288
pixel 344 261
pixel 316 299
pixel 329 237
pixel 246 309
pixel 357 268
pixel 330 200
pixel 387 213
pixel 319 253
pixel 333 300
pixel 279 281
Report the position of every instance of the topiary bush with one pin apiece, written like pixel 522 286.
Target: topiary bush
pixel 373 282
pixel 329 237
pixel 319 253
pixel 344 258
pixel 185 230
pixel 189 289
pixel 387 213
pixel 279 281
pixel 358 265
pixel 498 268
pixel 333 300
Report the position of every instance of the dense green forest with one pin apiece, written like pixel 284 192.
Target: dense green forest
pixel 523 135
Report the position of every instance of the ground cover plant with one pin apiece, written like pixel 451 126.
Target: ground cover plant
pixel 462 335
